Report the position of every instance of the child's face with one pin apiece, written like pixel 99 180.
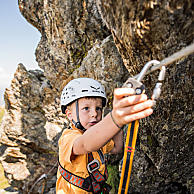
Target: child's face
pixel 90 111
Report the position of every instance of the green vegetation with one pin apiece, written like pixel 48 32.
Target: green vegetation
pixel 3 181
pixel 113 178
pixel 1 114
pixel 149 140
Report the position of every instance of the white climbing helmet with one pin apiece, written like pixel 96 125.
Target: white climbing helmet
pixel 81 87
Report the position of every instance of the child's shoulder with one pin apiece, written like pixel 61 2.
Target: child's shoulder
pixel 69 133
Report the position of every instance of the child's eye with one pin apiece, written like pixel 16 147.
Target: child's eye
pixel 85 108
pixel 98 109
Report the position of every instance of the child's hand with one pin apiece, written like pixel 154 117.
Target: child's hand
pixel 128 107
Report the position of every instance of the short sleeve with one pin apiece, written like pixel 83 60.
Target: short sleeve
pixel 108 147
pixel 66 145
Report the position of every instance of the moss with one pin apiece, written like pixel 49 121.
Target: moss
pixel 113 178
pixel 149 140
pixel 77 56
pixel 53 153
pixel 3 181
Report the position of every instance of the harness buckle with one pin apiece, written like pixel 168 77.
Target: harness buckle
pixel 93 165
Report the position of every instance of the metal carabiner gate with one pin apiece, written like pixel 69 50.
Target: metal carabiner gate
pixel 139 87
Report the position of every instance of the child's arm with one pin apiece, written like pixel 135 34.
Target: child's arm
pixel 126 108
pixel 118 143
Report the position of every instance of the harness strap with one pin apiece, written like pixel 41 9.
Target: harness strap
pixel 96 177
pixel 94 183
pixel 96 174
pixel 75 180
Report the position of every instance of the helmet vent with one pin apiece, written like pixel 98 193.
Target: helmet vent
pixel 84 90
pixel 95 88
pixel 95 91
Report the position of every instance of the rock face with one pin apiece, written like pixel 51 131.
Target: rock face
pixel 108 41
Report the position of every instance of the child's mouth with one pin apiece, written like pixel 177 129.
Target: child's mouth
pixel 93 123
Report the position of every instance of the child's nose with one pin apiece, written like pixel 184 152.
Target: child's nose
pixel 94 113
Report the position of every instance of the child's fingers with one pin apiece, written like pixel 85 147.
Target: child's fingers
pixel 135 108
pixel 132 100
pixel 128 107
pixel 122 92
pixel 121 118
pixel 138 115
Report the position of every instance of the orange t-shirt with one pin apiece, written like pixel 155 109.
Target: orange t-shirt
pixel 76 166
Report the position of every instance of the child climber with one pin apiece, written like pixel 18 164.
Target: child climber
pixel 82 168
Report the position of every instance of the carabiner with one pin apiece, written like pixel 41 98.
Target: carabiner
pixel 146 68
pixel 158 86
pixel 138 86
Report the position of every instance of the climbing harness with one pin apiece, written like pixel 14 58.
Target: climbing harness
pixel 95 182
pixel 135 83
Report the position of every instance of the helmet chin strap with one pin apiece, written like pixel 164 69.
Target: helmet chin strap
pixel 78 123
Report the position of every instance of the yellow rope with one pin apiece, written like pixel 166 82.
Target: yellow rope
pixel 136 126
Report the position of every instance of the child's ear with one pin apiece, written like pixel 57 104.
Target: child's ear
pixel 68 113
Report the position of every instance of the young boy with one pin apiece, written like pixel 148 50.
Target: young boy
pixel 81 149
